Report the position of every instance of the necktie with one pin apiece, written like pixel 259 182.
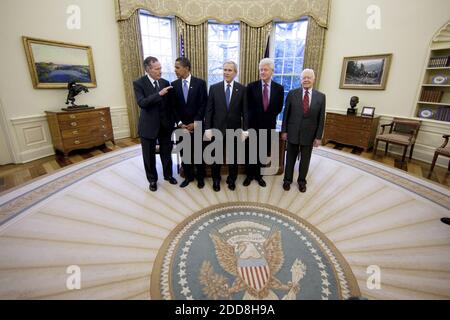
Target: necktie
pixel 156 85
pixel 265 97
pixel 306 102
pixel 185 90
pixel 228 95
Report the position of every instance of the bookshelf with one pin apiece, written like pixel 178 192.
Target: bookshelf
pixel 433 99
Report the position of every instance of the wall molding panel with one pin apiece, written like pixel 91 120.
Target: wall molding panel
pixel 34 141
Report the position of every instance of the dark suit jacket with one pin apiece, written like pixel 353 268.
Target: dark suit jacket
pixel 303 129
pixel 156 111
pixel 218 117
pixel 257 118
pixel 194 109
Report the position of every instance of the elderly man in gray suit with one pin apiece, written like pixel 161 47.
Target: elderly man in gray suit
pixel 303 123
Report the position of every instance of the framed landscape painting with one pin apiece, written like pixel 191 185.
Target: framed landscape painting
pixel 54 64
pixel 365 72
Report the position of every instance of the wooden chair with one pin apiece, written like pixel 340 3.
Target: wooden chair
pixel 402 132
pixel 441 151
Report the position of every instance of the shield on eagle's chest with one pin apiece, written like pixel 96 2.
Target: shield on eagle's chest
pixel 254 272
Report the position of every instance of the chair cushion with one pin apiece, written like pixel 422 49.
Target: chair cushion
pixel 396 138
pixel 444 151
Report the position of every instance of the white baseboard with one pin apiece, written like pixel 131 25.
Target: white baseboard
pixel 33 139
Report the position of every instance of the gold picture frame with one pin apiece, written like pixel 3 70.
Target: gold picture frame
pixel 53 64
pixel 365 72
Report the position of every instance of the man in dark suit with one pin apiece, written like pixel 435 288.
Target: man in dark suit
pixel 156 121
pixel 189 101
pixel 226 109
pixel 265 102
pixel 303 123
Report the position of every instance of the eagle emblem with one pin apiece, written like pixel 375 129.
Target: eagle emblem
pixel 253 254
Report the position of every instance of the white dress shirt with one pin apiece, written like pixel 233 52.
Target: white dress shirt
pixel 188 79
pixel 152 81
pixel 225 85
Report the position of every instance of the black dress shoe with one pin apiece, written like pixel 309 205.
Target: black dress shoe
pixel 261 182
pixel 201 183
pixel 232 185
pixel 185 183
pixel 171 180
pixel 286 186
pixel 247 181
pixel 216 186
pixel 302 187
pixel 153 186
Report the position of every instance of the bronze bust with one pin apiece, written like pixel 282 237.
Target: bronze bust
pixel 353 102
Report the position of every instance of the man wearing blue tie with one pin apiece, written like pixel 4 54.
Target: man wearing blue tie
pixel 226 109
pixel 189 101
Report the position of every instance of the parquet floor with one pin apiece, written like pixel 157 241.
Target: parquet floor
pixel 13 175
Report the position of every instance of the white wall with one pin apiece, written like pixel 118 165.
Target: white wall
pixel 407 28
pixel 46 19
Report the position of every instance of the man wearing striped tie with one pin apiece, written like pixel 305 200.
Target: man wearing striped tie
pixel 303 123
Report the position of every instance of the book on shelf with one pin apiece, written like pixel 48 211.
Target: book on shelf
pixel 439 62
pixel 429 95
pixel 443 114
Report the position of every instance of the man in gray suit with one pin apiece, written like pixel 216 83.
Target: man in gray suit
pixel 303 123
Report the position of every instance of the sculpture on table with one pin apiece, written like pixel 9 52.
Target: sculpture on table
pixel 353 102
pixel 74 90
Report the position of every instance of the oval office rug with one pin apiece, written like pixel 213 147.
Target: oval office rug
pixel 241 251
pixel 99 216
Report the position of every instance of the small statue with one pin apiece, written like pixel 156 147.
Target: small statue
pixel 353 102
pixel 74 90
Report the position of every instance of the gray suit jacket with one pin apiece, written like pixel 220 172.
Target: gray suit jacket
pixel 303 129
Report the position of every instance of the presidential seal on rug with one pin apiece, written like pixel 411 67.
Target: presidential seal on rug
pixel 249 252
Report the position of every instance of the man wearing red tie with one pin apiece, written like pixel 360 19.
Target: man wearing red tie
pixel 303 123
pixel 265 102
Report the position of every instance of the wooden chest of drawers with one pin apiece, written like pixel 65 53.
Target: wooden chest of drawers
pixel 351 130
pixel 81 129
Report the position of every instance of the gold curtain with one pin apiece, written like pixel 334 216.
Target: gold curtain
pixel 255 13
pixel 253 45
pixel 132 64
pixel 195 46
pixel 314 49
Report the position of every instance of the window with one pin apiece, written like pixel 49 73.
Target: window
pixel 288 50
pixel 223 45
pixel 158 40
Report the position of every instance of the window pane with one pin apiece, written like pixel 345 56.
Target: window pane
pixel 144 25
pixel 288 66
pixel 279 49
pixel 289 50
pixel 223 45
pixel 278 66
pixel 158 41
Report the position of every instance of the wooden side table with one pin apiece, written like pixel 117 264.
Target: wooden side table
pixel 80 129
pixel 350 130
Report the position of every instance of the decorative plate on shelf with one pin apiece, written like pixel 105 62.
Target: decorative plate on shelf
pixel 439 79
pixel 426 113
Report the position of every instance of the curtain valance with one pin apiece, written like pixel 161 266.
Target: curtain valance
pixel 255 13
